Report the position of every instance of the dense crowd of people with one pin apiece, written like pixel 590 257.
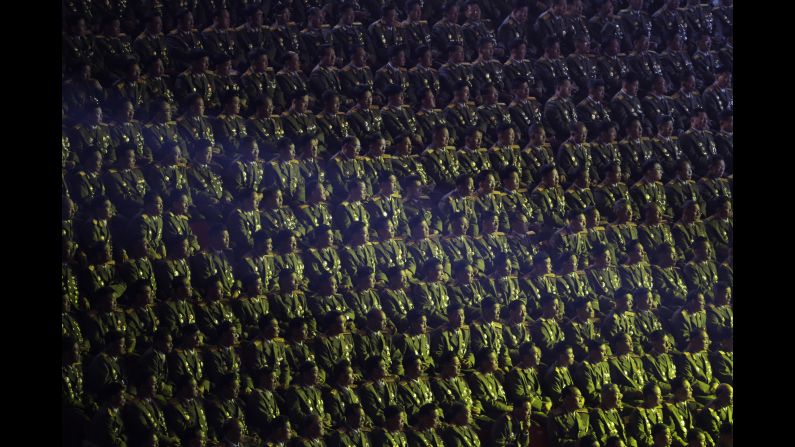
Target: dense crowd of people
pixel 397 223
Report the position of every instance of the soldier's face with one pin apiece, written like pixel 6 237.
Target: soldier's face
pixel 300 103
pixel 359 56
pixel 487 51
pixel 521 14
pixel 457 318
pixel 415 13
pixel 329 57
pixel 348 16
pixel 491 225
pixel 632 88
pixel 457 55
pixel 427 58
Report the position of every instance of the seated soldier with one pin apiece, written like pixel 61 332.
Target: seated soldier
pixel 658 363
pixel 701 272
pixel 626 370
pixel 538 153
pixel 694 365
pixel 107 427
pixel 719 412
pixel 606 418
pixel 646 415
pixel 325 299
pixel 621 319
pixel 462 430
pixel 430 294
pixel 414 390
pixel 460 200
pixel 304 396
pixel 415 339
pixel 453 337
pixel 688 228
pixel 486 387
pixel 465 290
pixel 487 333
pixel 569 423
pixel 376 339
pixel 611 190
pixel 654 231
pixel 668 280
pixel 720 226
pixel 581 329
pixel 524 380
pixel 649 189
pixel 691 316
pixel 681 188
pixel 358 252
pixel 395 299
pixel 549 197
pixel 277 217
pixel 265 348
pixel 335 343
pixel 377 390
pixel 646 315
pixel 722 357
pixel 391 432
pixel 558 377
pixel 592 374
pixel 720 313
pixel 284 173
pixel 636 271
pixel 287 256
pixel 680 411
pixel 342 393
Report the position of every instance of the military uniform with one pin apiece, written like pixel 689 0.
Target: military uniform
pixel 432 297
pixel 653 236
pixel 686 104
pixel 365 122
pixel 334 128
pixel 535 157
pixel 346 37
pixel 311 40
pixel 656 106
pixel 684 322
pixel 416 34
pixel 421 77
pixel 442 164
pixel 272 353
pixel 376 396
pixel 566 428
pixel 673 64
pixel 332 349
pixel 388 438
pixel 646 65
pixel 451 73
pixel 131 132
pixel 189 82
pixel 356 257
pixel 612 70
pixel 701 276
pixel 85 137
pixel 626 108
pixel 699 147
pixel 107 428
pixel 148 46
pixel 259 84
pixel 288 83
pixel 414 393
pixel 696 368
pixel 299 124
pixel 547 335
pixel 559 114
pixel 579 333
pixel 354 78
pixel 424 438
pixel 457 341
pixel 208 264
pixel 167 178
pixel 396 305
pixel 157 135
pixel 323 79
pixel 196 128
pixel 210 315
pixel 262 410
pixel 551 203
pixel 636 276
pixel 609 423
pixel 582 69
pixel 127 188
pixel 634 154
pixel 524 113
pixel 593 114
pixel 669 283
pixel 660 369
